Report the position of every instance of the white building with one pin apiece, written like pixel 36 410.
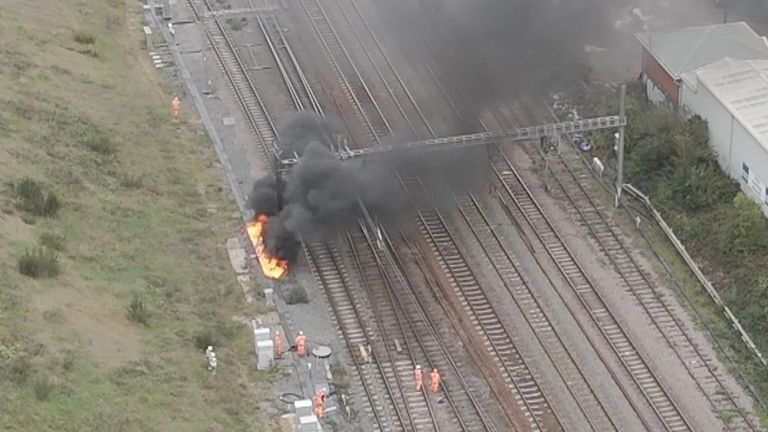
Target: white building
pixel 668 55
pixel 732 95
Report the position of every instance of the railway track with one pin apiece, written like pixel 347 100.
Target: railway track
pixel 638 282
pixel 386 403
pixel 386 71
pixel 243 87
pixel 358 94
pixel 295 80
pixel 508 359
pixel 414 335
pixel 517 375
pixel 327 269
pixel 496 250
pixel 526 208
pixel 425 344
pixel 416 411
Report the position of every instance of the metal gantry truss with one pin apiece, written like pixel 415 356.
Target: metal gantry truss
pixel 471 140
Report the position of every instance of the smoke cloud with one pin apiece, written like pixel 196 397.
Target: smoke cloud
pixel 487 50
pixel 320 195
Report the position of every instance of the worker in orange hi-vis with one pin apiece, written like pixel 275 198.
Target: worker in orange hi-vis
pixel 278 343
pixel 301 344
pixel 175 108
pixel 318 403
pixel 418 377
pixel 434 383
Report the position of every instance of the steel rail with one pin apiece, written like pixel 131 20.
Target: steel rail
pixel 314 102
pixel 400 291
pixel 518 376
pixel 379 293
pixel 644 291
pixel 530 398
pixel 581 284
pixel 505 267
pixel 242 85
pixel 387 73
pixel 336 52
pixel 265 131
pixel 331 275
pixel 508 165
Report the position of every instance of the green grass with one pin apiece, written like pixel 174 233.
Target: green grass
pixel 143 211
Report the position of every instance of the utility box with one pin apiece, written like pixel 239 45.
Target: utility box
pixel 262 334
pixel 309 424
pixel 302 408
pixel 265 354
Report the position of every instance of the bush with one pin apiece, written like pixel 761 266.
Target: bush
pixel 33 199
pixel 99 142
pixel 296 295
pixel 40 262
pixel 84 37
pixel 53 241
pixel 137 312
pixel 129 181
pixel 16 369
pixel 43 387
pixel 204 339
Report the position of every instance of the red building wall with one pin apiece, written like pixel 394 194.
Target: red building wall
pixel 655 72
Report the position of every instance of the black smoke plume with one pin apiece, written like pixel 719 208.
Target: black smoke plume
pixel 490 50
pixel 320 195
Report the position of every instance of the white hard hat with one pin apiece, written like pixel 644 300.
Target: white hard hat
pixel 418 366
pixel 301 332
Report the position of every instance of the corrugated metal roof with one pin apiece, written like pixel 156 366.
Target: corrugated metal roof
pixel 742 87
pixel 687 49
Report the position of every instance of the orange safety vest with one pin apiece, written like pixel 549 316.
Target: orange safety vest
pixel 435 381
pixel 301 344
pixel 278 345
pixel 319 405
pixel 418 376
pixel 175 107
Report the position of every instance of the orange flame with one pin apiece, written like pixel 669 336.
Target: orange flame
pixel 273 267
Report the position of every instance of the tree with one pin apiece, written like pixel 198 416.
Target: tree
pixel 747 232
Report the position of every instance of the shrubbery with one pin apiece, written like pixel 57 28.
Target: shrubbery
pixel 137 311
pixel 39 263
pixel 32 198
pixel 670 159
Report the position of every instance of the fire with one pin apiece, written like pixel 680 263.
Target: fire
pixel 272 267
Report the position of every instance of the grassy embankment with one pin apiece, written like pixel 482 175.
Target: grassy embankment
pixel 115 208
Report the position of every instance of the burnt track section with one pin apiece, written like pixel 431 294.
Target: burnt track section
pixel 639 283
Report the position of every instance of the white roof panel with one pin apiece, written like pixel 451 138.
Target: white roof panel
pixel 687 49
pixel 742 87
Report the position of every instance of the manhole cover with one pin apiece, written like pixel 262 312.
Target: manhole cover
pixel 322 351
